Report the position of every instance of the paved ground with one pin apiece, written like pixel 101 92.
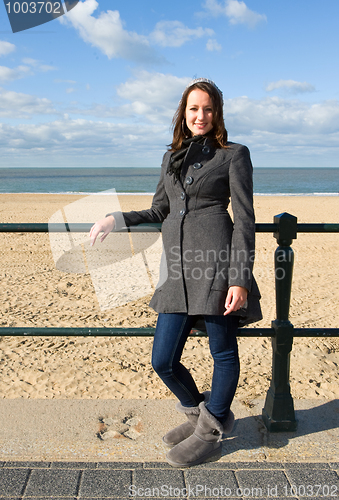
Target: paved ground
pixel 60 449
pixel 122 480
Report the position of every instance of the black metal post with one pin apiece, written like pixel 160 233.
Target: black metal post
pixel 278 412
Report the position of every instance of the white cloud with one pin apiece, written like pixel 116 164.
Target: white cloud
pixel 282 132
pixel 37 64
pixel 6 48
pixel 290 86
pixel 107 33
pixel 99 111
pixel 236 11
pixel 149 99
pixel 84 143
pixel 213 8
pixel 274 115
pixel 175 33
pixel 135 130
pixel 279 133
pixel 135 133
pixel 10 74
pixel 58 80
pixel 18 105
pixel 153 88
pixel 31 65
pixel 239 13
pixel 153 95
pixel 30 61
pixel 212 45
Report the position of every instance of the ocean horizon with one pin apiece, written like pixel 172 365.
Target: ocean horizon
pixel 78 180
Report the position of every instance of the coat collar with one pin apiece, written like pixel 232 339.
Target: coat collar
pixel 196 153
pixel 204 152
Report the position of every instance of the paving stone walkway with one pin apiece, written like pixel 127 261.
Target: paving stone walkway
pixel 66 449
pixel 126 480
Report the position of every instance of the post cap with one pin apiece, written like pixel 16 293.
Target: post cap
pixel 287 228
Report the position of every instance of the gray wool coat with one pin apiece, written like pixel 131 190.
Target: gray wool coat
pixel 205 251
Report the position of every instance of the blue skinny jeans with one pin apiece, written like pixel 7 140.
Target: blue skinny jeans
pixel 170 337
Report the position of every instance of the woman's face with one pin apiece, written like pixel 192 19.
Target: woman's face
pixel 199 112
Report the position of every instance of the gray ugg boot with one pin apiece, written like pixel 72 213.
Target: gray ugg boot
pixel 186 429
pixel 228 424
pixel 204 445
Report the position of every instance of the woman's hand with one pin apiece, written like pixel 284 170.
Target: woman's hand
pixel 105 226
pixel 236 298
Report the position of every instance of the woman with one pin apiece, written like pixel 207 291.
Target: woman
pixel 209 260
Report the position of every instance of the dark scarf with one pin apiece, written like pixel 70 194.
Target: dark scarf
pixel 177 157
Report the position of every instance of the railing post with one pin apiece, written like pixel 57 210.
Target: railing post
pixel 278 412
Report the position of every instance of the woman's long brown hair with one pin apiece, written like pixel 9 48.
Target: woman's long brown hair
pixel 180 129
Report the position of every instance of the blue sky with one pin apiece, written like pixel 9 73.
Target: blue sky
pixel 99 85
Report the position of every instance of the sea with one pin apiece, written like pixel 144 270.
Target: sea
pixel 267 181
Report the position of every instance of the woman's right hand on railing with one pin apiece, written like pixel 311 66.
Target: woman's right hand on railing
pixel 105 226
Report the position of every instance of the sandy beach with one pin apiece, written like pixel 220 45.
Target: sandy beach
pixel 35 292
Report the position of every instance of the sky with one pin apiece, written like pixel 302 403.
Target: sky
pixel 98 87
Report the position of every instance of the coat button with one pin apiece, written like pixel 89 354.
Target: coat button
pixel 197 166
pixel 182 212
pixel 189 180
pixel 205 150
pixel 183 195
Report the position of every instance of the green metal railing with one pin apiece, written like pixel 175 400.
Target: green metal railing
pixel 278 412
